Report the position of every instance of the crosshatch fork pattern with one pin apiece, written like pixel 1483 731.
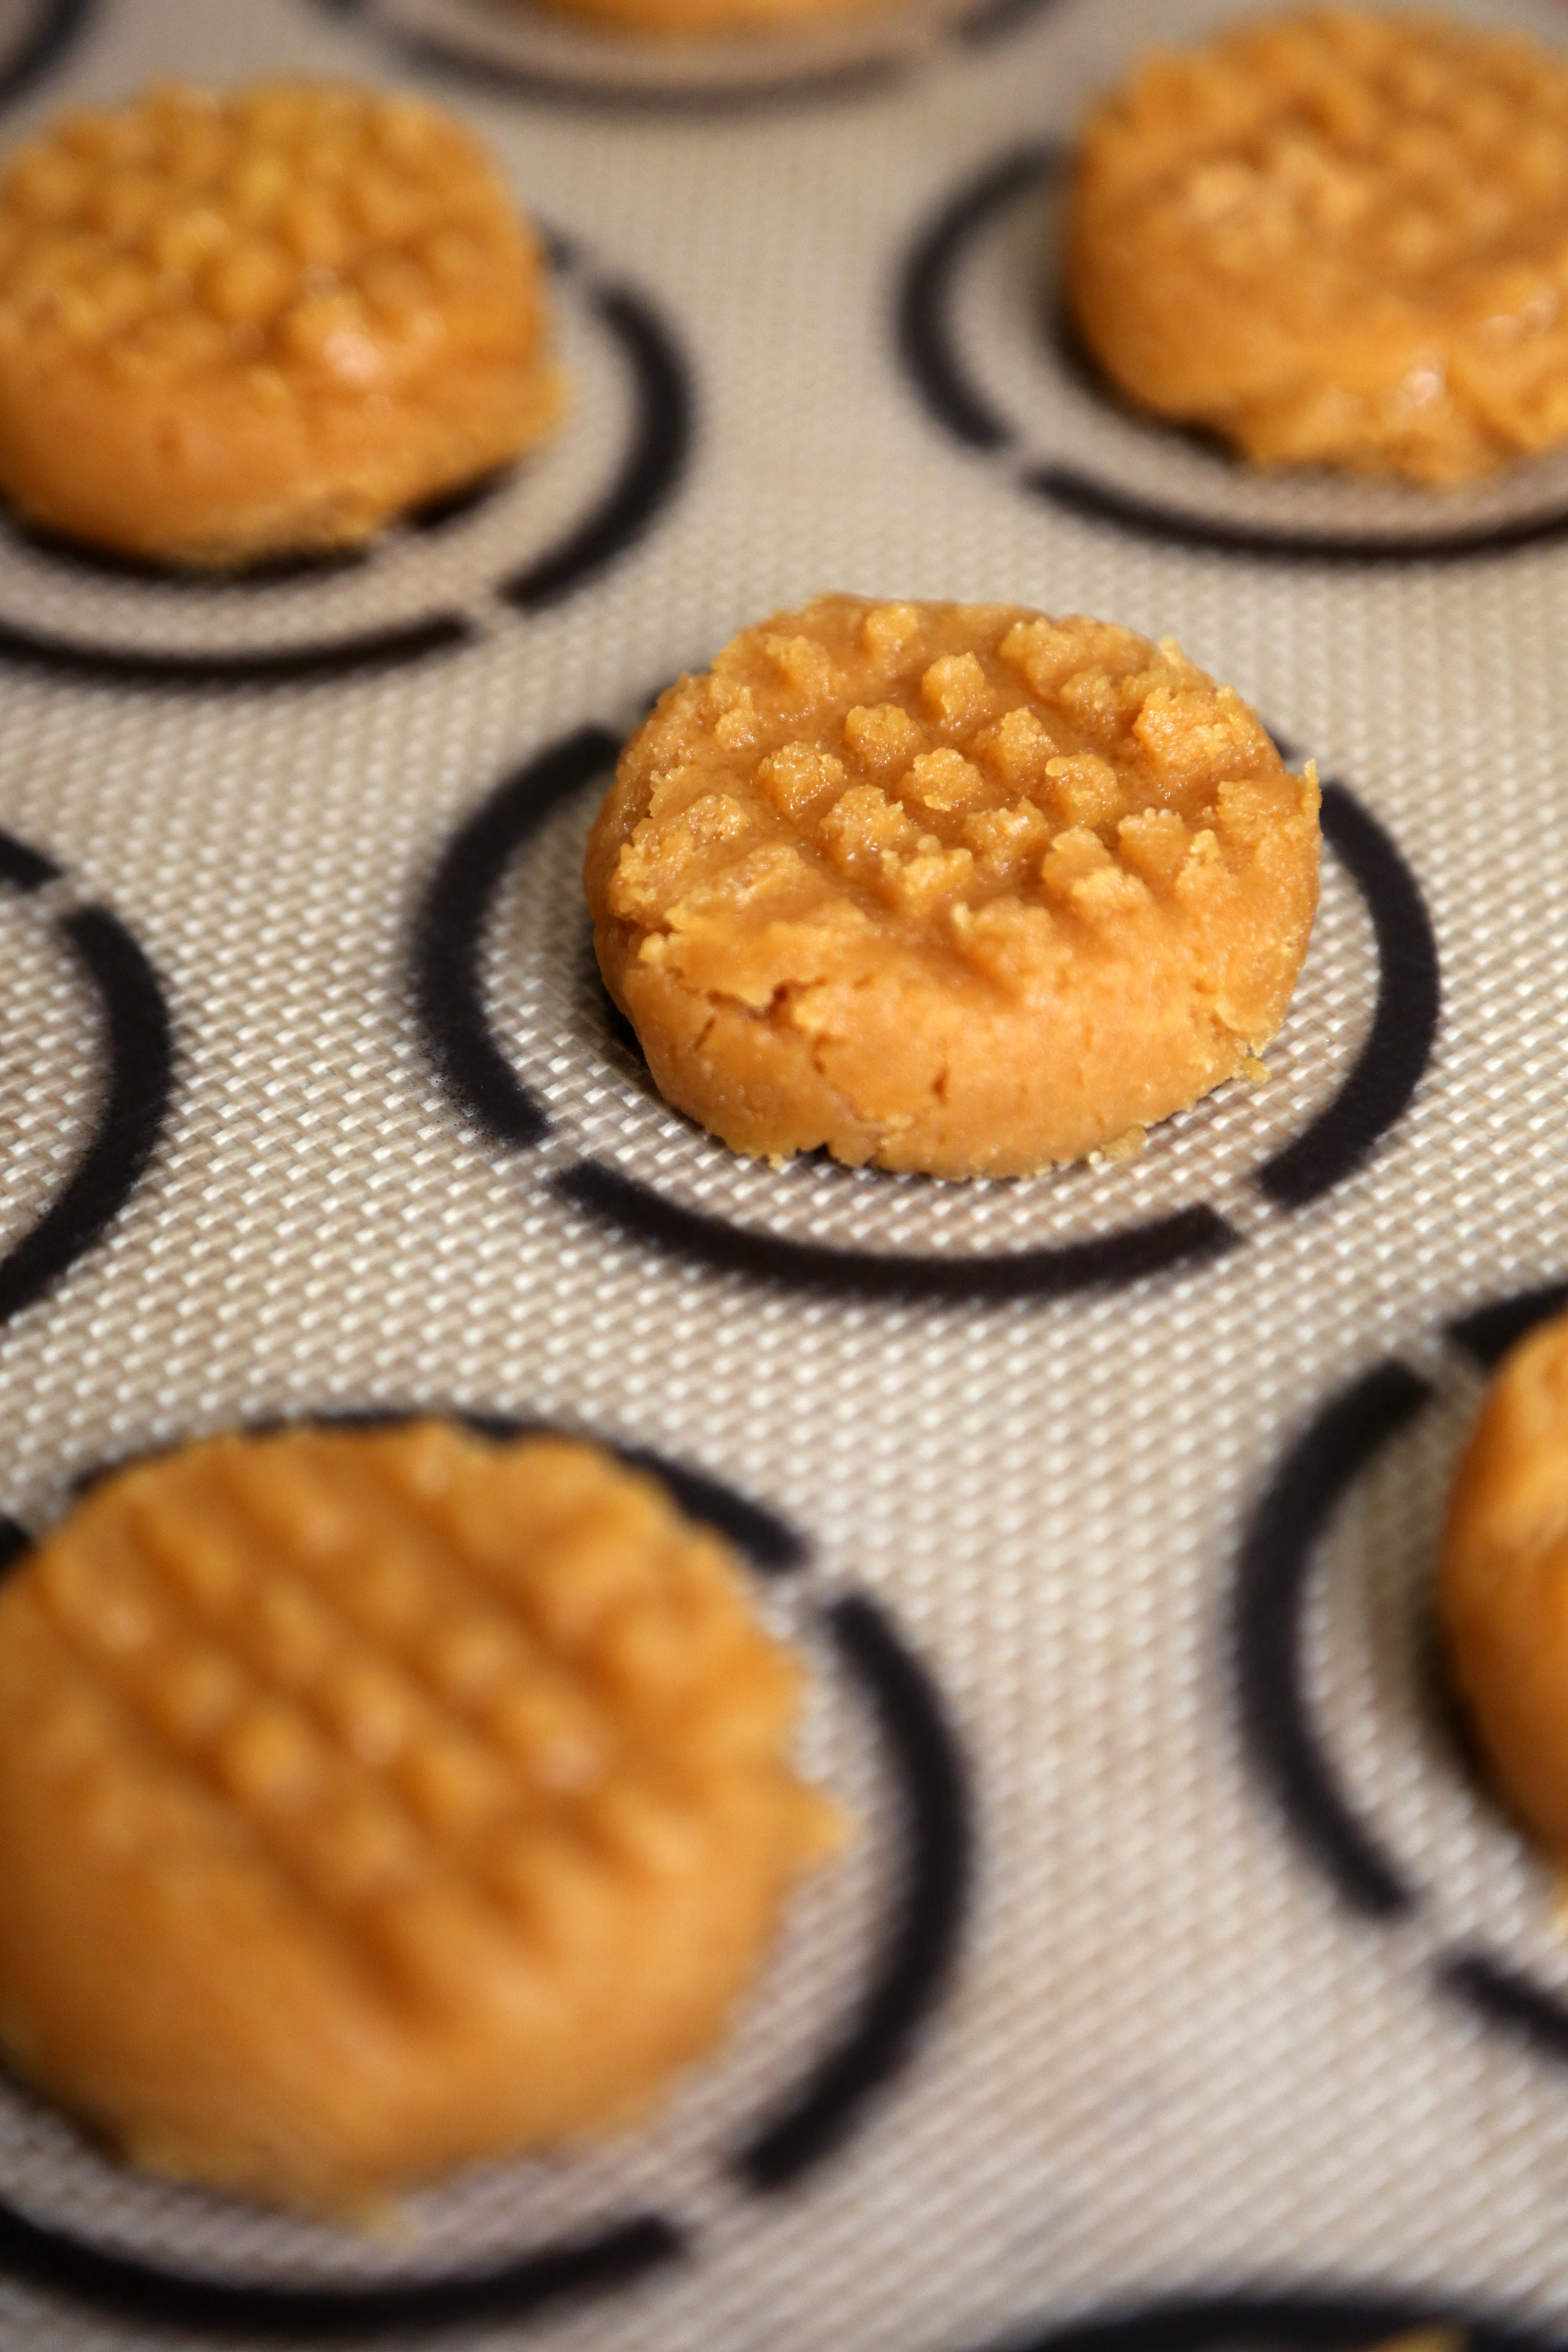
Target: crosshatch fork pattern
pixel 367 1705
pixel 564 1038
pixel 249 1636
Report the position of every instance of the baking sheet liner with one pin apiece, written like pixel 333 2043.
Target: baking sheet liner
pixel 1184 1988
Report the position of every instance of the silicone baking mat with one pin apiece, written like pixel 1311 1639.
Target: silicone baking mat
pixel 1182 1989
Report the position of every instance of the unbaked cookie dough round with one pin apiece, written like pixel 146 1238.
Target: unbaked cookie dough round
pixel 372 1803
pixel 1337 239
pixel 1503 1587
pixel 948 887
pixel 238 324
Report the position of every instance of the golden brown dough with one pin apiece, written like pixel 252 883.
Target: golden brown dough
pixel 373 1802
pixel 235 324
pixel 695 18
pixel 950 887
pixel 1503 1592
pixel 1338 239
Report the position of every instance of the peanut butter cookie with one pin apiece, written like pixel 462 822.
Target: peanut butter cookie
pixel 372 1803
pixel 1337 239
pixel 236 324
pixel 950 887
pixel 1503 1589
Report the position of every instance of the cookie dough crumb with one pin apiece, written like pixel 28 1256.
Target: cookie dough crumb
pixel 432 1795
pixel 1124 1148
pixel 978 890
pixel 1336 238
pixel 270 319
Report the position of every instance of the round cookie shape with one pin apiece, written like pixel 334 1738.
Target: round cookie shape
pixel 955 889
pixel 1503 1585
pixel 1336 239
pixel 239 324
pixel 374 1802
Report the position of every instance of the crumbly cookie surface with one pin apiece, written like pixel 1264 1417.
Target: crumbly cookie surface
pixel 235 324
pixel 948 887
pixel 372 1803
pixel 1503 1587
pixel 1338 239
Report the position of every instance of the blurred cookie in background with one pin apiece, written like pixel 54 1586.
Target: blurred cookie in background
pixel 372 1802
pixel 1335 239
pixel 240 325
pixel 1503 1590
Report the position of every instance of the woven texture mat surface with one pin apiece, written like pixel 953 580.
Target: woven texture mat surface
pixel 1180 1970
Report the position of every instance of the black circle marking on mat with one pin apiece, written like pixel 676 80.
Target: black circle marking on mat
pixel 1325 2317
pixel 1338 1141
pixel 928 348
pixel 23 868
pixel 661 435
pixel 806 2126
pixel 54 26
pixel 455 506
pixel 768 1542
pixel 1486 1333
pixel 864 78
pixel 293 666
pixel 924 311
pixel 923 1944
pixel 1404 1030
pixel 1504 1997
pixel 450 935
pixel 993 21
pixel 1191 1237
pixel 139 1079
pixel 114 564
pixel 126 2289
pixel 653 464
pixel 1093 501
pixel 448 999
pixel 1273 1571
pixel 981 26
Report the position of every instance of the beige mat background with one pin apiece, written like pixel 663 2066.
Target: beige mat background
pixel 1169 2056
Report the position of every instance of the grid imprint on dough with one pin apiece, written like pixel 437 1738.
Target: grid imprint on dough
pixel 560 1034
